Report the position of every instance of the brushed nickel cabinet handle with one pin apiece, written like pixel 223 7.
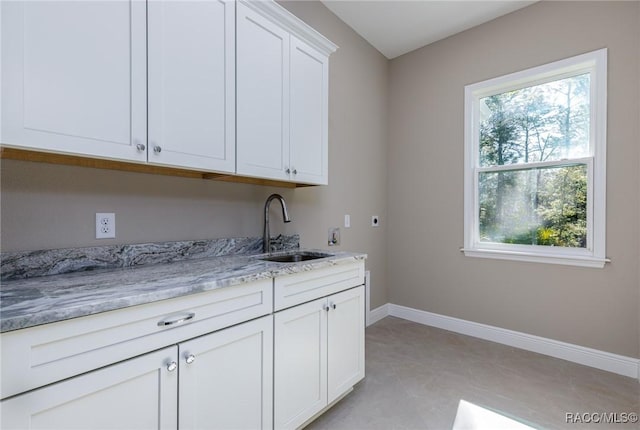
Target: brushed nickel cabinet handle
pixel 177 320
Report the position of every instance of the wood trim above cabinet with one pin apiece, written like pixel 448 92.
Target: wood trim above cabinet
pixel 7 153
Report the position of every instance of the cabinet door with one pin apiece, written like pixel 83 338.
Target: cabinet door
pixel 300 375
pixel 345 340
pixel 74 77
pixel 308 117
pixel 228 385
pixel 262 60
pixel 140 393
pixel 192 84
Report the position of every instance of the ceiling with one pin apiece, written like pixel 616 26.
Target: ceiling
pixel 395 27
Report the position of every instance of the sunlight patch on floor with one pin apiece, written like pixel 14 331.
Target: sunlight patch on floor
pixel 474 417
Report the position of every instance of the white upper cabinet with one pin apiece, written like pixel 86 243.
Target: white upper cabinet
pixel 83 67
pixel 262 58
pixel 308 114
pixel 74 77
pixel 191 53
pixel 213 86
pixel 282 95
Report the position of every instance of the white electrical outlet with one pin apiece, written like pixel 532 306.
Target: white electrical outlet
pixel 375 220
pixel 105 225
pixel 347 221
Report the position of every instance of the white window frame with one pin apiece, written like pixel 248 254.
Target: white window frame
pixel 594 255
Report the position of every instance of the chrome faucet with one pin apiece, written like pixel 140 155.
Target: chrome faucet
pixel 266 239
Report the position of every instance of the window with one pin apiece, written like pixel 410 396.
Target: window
pixel 535 160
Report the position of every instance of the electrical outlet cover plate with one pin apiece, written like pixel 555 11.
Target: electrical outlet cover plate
pixel 375 220
pixel 105 225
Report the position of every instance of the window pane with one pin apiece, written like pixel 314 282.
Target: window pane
pixel 546 206
pixel 546 122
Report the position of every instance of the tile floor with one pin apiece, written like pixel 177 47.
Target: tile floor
pixel 416 375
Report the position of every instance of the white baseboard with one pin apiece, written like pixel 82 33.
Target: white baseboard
pixel 614 363
pixel 377 314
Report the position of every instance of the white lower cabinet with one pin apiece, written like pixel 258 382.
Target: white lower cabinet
pixel 140 393
pixel 222 380
pixel 220 359
pixel 345 340
pixel 300 386
pixel 226 378
pixel 318 355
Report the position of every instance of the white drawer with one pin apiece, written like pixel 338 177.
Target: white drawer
pixel 40 355
pixel 291 290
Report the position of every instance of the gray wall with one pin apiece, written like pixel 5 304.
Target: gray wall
pixel 47 206
pixel 358 113
pixel 596 308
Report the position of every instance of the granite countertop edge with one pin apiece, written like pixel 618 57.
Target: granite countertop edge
pixel 43 300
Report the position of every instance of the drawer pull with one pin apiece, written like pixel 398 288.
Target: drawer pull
pixel 176 321
pixel 190 358
pixel 172 366
pixel 333 306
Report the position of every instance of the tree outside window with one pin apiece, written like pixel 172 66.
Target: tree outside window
pixel 535 160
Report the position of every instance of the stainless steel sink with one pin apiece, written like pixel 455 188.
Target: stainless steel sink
pixel 295 257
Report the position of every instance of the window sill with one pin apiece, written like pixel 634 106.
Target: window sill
pixel 581 261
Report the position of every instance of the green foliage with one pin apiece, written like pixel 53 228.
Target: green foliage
pixel 535 206
pixel 497 137
pixel 563 207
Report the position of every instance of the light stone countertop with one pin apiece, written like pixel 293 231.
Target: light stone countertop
pixel 46 299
